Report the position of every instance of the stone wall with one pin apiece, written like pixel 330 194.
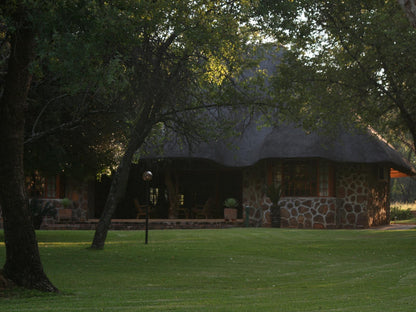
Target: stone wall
pixel 361 200
pixel 353 188
pixel 378 204
pixel 77 193
pixel 365 195
pixel 308 212
pixel 254 197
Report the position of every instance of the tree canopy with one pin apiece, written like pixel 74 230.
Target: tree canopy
pixel 177 62
pixel 98 63
pixel 105 73
pixel 346 63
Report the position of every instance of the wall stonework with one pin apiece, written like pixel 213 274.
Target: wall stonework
pixel 365 195
pixel 379 202
pixel 254 197
pixel 308 212
pixel 361 200
pixel 352 187
pixel 78 194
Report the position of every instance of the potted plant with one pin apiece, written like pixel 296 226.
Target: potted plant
pixel 274 193
pixel 66 211
pixel 230 209
pixel 66 202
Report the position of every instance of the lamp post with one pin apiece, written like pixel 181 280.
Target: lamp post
pixel 147 177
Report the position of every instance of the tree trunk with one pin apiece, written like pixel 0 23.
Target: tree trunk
pixel 118 186
pixel 23 265
pixel 170 179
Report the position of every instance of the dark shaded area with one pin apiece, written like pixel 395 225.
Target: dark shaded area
pixel 198 183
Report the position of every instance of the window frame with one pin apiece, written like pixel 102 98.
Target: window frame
pixel 41 186
pixel 277 174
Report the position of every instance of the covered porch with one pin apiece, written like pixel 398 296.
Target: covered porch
pixel 180 189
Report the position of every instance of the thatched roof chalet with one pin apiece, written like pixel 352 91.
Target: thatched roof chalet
pixel 329 181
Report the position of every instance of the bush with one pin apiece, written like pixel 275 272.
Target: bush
pixel 400 214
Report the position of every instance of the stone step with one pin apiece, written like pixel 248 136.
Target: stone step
pixel 139 224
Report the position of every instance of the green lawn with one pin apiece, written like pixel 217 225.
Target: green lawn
pixel 409 221
pixel 226 270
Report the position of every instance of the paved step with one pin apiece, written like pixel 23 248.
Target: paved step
pixel 140 224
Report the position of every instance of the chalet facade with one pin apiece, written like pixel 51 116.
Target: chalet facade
pixel 339 181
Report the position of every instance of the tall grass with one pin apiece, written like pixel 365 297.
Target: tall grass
pixel 226 270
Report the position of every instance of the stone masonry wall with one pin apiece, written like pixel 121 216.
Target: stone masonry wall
pixel 254 197
pixel 352 187
pixel 378 203
pixel 296 212
pixel 78 194
pixel 365 195
pixel 361 200
pixel 308 212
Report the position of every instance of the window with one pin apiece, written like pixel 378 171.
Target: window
pixel 154 195
pixel 303 178
pixel 44 187
pixel 382 173
pixel 51 187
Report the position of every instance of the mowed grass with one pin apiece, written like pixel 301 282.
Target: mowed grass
pixel 244 269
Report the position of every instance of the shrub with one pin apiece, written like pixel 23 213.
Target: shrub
pixel 400 214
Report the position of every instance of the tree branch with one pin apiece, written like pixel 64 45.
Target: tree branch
pixel 43 110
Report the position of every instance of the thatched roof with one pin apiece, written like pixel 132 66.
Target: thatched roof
pixel 289 142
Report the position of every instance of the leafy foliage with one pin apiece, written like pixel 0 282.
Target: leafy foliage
pixel 102 68
pixel 182 61
pixel 231 203
pixel 347 63
pixel 400 214
pixel 403 190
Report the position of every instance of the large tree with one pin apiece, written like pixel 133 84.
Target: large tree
pixel 23 265
pixel 346 62
pixel 183 59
